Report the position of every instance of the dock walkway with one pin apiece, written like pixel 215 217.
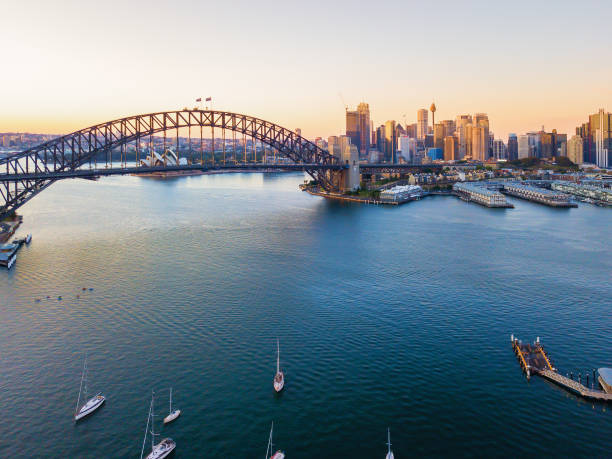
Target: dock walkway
pixel 534 359
pixel 574 386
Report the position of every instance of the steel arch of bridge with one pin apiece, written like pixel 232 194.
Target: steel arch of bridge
pixel 25 174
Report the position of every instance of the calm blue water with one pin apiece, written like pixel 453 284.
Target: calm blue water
pixel 394 317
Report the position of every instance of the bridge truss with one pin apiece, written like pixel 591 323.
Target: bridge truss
pixel 25 174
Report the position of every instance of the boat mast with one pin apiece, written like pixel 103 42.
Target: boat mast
pixel 81 386
pixel 152 420
pixel 171 400
pixel 144 440
pixel 277 356
pixel 269 448
pixel 389 439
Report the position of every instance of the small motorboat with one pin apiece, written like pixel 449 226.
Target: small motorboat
pixel 28 238
pixel 279 377
pixel 172 415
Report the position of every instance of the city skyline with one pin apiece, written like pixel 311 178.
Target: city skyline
pixel 256 60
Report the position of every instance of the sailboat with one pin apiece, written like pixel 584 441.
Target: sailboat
pixel 90 405
pixel 278 454
pixel 279 378
pixel 172 415
pixel 389 452
pixel 164 447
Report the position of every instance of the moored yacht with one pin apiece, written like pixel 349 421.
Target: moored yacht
pixel 279 378
pixel 172 415
pixel 90 405
pixel 164 447
pixel 389 452
pixel 278 454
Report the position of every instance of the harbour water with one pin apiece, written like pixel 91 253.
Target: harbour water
pixel 396 317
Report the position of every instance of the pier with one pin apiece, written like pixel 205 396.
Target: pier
pixel 480 194
pixel 533 359
pixel 540 195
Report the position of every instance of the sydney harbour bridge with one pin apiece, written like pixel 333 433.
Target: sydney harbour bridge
pixel 79 154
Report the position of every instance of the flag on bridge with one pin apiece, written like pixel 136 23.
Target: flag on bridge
pixel 208 99
pixel 199 99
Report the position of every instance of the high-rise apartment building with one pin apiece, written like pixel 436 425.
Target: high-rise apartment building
pixel 575 149
pixel 597 137
pixel 499 149
pixel 464 137
pixel 358 128
pixel 450 148
pixel 422 126
pixel 390 141
pixel 512 147
pixel 438 135
pixel 480 143
pixel 524 147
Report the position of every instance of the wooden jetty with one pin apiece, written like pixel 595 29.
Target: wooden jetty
pixel 534 359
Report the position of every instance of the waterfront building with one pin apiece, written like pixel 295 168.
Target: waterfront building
pixel 450 148
pixel 481 194
pixel 422 126
pixel 594 193
pixel 390 141
pixel 575 149
pixel 401 193
pixel 542 195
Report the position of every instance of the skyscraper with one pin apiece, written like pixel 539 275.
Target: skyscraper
pixel 438 135
pixel 464 137
pixel 479 143
pixel 390 141
pixel 352 127
pixel 512 147
pixel 499 149
pixel 450 148
pixel 358 128
pixel 422 126
pixel 363 110
pixel 597 138
pixel 523 147
pixel 575 149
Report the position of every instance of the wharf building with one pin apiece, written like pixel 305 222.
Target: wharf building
pixel 588 192
pixel 400 194
pixel 480 194
pixel 541 195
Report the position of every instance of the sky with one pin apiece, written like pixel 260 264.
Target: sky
pixel 67 65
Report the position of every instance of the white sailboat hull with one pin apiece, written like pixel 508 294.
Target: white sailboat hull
pixel 279 382
pixel 390 455
pixel 278 455
pixel 92 405
pixel 172 416
pixel 162 449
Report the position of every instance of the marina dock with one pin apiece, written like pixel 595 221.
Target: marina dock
pixel 534 359
pixel 540 195
pixel 8 252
